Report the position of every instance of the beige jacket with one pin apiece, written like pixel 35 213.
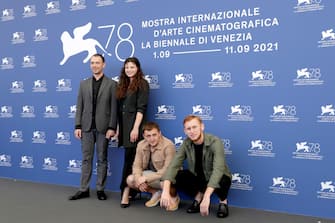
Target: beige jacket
pixel 161 156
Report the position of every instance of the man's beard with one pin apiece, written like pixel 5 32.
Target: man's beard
pixel 198 138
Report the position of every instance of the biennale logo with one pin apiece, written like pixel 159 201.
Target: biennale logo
pixel 77 44
pixel 241 181
pixel 220 79
pixel 6 111
pixel 64 85
pixel 328 185
pixel 50 164
pixel 63 138
pixel 261 148
pixel 165 112
pixel 204 111
pixel 29 11
pixel 5 160
pixel 327 38
pixel 240 113
pixel 41 35
pixel 18 37
pixel 7 14
pixel 178 141
pixel 7 63
pixel 39 137
pixel 327 114
pixel 52 7
pixel 183 81
pixel 308 76
pixel 27 162
pixel 16 136
pixel 51 111
pixel 327 190
pixel 28 111
pixel 327 109
pixel 153 81
pixel 284 113
pixel 17 87
pixel 262 78
pixel 74 166
pixel 28 61
pixel 77 5
pixel 308 5
pixel 40 86
pixel 283 185
pixel 328 34
pixel 307 150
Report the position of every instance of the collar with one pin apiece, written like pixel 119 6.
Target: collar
pixel 100 79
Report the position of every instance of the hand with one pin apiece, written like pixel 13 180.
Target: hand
pixel 204 206
pixel 165 200
pixel 109 134
pixel 77 133
pixel 143 187
pixel 133 135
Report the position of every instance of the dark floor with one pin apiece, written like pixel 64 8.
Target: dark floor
pixel 28 202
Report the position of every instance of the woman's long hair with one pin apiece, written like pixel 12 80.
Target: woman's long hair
pixel 125 85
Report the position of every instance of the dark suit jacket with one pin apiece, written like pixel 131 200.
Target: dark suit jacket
pixel 106 108
pixel 128 107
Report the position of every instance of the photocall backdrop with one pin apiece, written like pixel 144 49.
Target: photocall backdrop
pixel 259 73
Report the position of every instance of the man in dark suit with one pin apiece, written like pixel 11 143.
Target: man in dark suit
pixel 95 124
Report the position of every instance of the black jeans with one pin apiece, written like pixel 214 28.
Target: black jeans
pixel 190 184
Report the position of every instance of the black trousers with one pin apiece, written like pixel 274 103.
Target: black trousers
pixel 129 157
pixel 190 184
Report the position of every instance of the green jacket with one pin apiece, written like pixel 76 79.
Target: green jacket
pixel 214 163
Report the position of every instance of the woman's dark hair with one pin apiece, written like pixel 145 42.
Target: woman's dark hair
pixel 124 82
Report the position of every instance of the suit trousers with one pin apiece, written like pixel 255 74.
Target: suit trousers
pixel 90 141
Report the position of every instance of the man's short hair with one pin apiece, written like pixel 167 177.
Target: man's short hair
pixel 148 126
pixel 191 117
pixel 99 55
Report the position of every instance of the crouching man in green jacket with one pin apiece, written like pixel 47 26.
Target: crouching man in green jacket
pixel 207 171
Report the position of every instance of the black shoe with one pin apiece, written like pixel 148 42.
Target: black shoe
pixel 124 205
pixel 222 211
pixel 101 195
pixel 79 195
pixel 194 208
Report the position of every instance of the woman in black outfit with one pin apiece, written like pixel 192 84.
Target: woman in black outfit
pixel 132 95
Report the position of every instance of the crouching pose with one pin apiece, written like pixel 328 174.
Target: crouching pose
pixel 207 171
pixel 153 155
